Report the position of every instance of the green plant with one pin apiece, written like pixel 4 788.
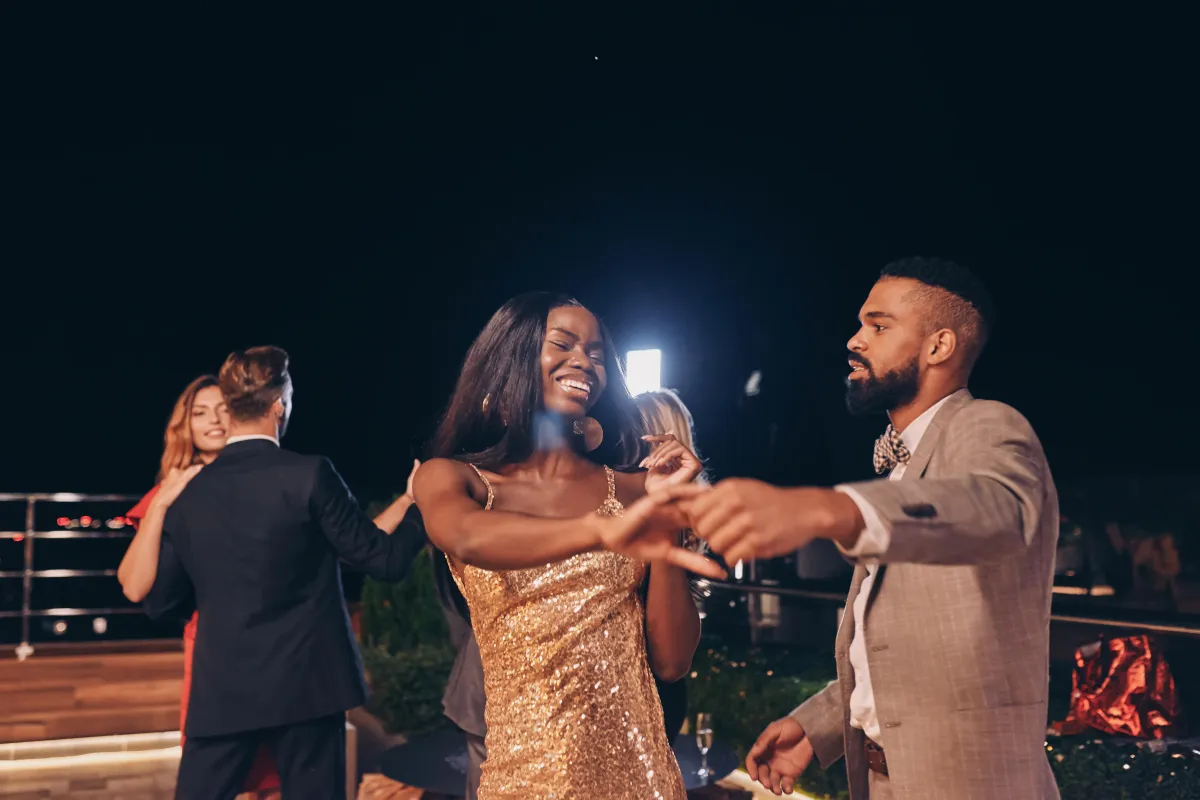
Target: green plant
pixel 745 689
pixel 1090 768
pixel 404 615
pixel 407 686
pixel 406 650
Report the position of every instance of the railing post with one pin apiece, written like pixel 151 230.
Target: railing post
pixel 28 573
pixel 24 649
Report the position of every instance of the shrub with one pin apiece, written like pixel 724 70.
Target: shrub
pixel 407 651
pixel 402 616
pixel 407 686
pixel 746 689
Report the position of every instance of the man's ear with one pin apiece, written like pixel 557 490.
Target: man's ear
pixel 940 346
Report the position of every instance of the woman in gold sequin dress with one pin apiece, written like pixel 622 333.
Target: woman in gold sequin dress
pixel 521 500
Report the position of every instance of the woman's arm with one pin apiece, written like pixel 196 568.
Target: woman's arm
pixel 672 622
pixel 390 518
pixel 139 567
pixel 496 540
pixel 502 540
pixel 672 619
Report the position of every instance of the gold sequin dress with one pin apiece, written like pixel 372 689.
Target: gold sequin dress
pixel 572 711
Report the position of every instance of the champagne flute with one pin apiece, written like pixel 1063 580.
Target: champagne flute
pixel 704 740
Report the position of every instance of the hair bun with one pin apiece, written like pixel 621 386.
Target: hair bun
pixel 251 380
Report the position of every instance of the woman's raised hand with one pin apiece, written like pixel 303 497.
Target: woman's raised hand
pixel 408 487
pixel 669 463
pixel 172 485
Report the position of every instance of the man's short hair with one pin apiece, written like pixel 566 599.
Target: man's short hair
pixel 953 297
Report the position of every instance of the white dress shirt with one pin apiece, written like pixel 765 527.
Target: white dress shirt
pixel 874 540
pixel 247 437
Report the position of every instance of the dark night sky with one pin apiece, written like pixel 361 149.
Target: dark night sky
pixel 365 191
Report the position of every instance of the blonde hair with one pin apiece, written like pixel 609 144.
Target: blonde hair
pixel 179 451
pixel 663 412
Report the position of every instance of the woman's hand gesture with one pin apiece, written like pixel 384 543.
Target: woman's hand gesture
pixel 670 463
pixel 172 485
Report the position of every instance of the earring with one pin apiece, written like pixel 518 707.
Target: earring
pixel 484 409
pixel 591 431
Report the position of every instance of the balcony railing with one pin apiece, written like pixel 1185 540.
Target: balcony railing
pixel 1074 613
pixel 1067 609
pixel 30 536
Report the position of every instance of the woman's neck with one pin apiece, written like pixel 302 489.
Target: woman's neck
pixel 555 464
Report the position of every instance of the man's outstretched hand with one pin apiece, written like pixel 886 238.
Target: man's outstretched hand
pixel 744 519
pixel 780 755
pixel 649 531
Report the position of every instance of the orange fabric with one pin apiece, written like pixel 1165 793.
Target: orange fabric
pixel 263 775
pixel 1123 686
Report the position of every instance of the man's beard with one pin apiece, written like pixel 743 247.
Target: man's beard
pixel 882 393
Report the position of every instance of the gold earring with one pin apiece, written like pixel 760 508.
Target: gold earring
pixel 484 408
pixel 591 431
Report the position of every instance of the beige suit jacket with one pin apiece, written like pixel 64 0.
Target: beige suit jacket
pixel 958 625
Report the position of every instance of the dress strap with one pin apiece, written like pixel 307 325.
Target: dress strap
pixel 492 494
pixel 612 483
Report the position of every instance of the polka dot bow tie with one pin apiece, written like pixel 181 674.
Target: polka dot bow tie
pixel 890 451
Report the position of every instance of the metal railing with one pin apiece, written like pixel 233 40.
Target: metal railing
pixel 1081 618
pixel 31 535
pixel 28 574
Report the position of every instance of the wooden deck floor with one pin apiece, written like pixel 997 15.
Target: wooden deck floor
pixel 128 775
pixel 69 696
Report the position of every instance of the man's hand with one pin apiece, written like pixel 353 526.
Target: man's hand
pixel 780 756
pixel 743 519
pixel 649 531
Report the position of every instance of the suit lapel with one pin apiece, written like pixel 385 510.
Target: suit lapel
pixel 915 469
pixel 918 463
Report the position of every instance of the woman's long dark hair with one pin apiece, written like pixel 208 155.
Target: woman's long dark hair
pixel 504 365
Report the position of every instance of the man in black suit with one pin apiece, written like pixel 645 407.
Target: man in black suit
pixel 254 542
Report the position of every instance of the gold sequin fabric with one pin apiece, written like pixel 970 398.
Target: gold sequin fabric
pixel 572 711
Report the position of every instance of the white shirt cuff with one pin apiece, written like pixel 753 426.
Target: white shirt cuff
pixel 875 537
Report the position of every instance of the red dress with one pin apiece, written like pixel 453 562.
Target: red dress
pixel 263 775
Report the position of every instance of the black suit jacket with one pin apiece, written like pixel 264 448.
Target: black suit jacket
pixel 254 541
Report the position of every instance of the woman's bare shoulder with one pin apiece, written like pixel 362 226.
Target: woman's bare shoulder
pixel 439 475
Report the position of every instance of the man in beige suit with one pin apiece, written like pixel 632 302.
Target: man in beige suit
pixel 942 653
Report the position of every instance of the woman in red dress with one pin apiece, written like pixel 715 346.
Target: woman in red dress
pixel 195 435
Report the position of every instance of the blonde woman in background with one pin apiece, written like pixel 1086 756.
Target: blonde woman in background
pixel 665 413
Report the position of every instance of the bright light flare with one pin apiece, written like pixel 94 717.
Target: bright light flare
pixel 643 371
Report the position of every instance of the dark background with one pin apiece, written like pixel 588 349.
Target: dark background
pixel 365 190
